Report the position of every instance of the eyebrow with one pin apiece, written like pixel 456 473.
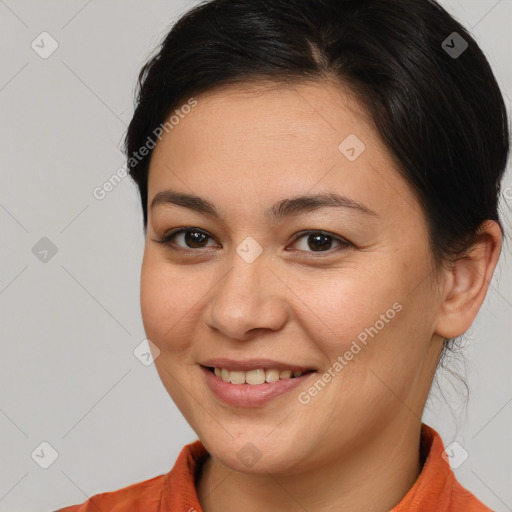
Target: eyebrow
pixel 284 208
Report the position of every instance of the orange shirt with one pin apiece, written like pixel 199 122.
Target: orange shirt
pixel 435 490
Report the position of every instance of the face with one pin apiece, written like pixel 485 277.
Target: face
pixel 344 290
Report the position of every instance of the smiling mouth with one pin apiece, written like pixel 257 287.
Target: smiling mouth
pixel 257 376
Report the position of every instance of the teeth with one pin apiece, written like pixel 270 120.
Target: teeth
pixel 236 377
pixel 271 375
pixel 255 377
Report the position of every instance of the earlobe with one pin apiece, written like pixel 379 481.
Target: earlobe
pixel 468 282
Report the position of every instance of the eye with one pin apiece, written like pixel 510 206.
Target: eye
pixel 194 238
pixel 320 241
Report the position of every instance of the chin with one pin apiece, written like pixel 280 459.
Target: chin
pixel 255 453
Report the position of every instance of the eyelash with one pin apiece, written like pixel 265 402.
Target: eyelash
pixel 166 240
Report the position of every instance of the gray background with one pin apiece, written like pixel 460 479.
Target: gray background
pixel 69 326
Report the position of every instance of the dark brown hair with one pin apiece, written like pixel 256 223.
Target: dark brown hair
pixel 441 115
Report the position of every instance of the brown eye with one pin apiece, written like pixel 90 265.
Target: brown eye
pixel 192 238
pixel 318 241
pixel 195 239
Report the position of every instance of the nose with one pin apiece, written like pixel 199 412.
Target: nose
pixel 247 299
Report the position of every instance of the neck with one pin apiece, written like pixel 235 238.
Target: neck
pixel 372 478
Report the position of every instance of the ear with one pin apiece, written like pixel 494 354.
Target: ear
pixel 467 282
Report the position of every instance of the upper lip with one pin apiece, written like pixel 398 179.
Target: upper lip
pixel 253 364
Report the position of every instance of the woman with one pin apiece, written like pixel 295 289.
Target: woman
pixel 319 182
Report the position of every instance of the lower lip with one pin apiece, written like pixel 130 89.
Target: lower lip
pixel 248 395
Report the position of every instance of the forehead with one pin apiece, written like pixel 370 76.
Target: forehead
pixel 277 140
pixel 263 111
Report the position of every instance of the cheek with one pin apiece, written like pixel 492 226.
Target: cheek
pixel 369 318
pixel 159 299
pixel 171 299
pixel 344 304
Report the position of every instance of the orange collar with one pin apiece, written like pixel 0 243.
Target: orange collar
pixel 435 490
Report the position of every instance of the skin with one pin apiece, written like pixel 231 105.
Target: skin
pixel 355 445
